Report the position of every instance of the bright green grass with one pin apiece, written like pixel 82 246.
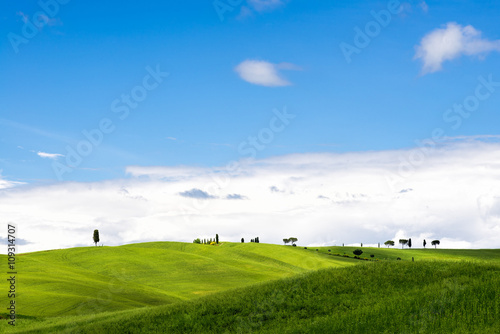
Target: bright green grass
pixel 383 297
pixel 96 279
pixel 106 287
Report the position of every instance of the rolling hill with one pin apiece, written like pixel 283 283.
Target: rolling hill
pixel 180 287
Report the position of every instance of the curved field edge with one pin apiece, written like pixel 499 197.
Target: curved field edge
pixel 383 297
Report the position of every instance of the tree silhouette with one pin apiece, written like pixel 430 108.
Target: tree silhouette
pixel 409 242
pixel 293 240
pixel 96 237
pixel 435 243
pixel 217 239
pixel 425 243
pixel 403 242
pixel 358 252
pixel 242 240
pixel 389 243
pixel 286 241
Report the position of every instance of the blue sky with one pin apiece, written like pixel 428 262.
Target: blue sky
pixel 231 69
pixel 64 79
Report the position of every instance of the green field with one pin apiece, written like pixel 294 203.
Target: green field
pixel 179 287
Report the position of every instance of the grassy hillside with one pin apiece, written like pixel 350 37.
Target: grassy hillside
pixel 383 297
pixel 93 279
pixel 418 254
pixel 143 288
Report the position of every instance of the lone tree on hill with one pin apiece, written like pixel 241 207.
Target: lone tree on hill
pixel 435 243
pixel 389 243
pixel 96 237
pixel 403 242
pixel 409 242
pixel 242 240
pixel 293 240
pixel 286 241
pixel 425 243
pixel 217 239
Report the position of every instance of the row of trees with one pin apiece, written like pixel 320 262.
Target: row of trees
pixel 216 240
pixel 407 242
pixel 207 241
pixel 256 240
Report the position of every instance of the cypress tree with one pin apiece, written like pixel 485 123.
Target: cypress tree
pixel 96 237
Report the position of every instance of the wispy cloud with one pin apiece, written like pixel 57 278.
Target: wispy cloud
pixel 450 42
pixel 4 184
pixel 34 130
pixel 53 156
pixel 264 73
pixel 236 196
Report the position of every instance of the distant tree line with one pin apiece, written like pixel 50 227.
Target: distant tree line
pixel 209 241
pixel 215 241
pixel 407 242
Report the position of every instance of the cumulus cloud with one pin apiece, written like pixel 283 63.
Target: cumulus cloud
pixel 323 199
pixel 53 156
pixel 263 73
pixel 451 42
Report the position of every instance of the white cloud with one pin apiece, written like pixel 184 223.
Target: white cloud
pixel 321 199
pixel 451 42
pixel 4 184
pixel 264 73
pixel 53 156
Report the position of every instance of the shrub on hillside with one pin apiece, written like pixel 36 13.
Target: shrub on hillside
pixel 357 252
